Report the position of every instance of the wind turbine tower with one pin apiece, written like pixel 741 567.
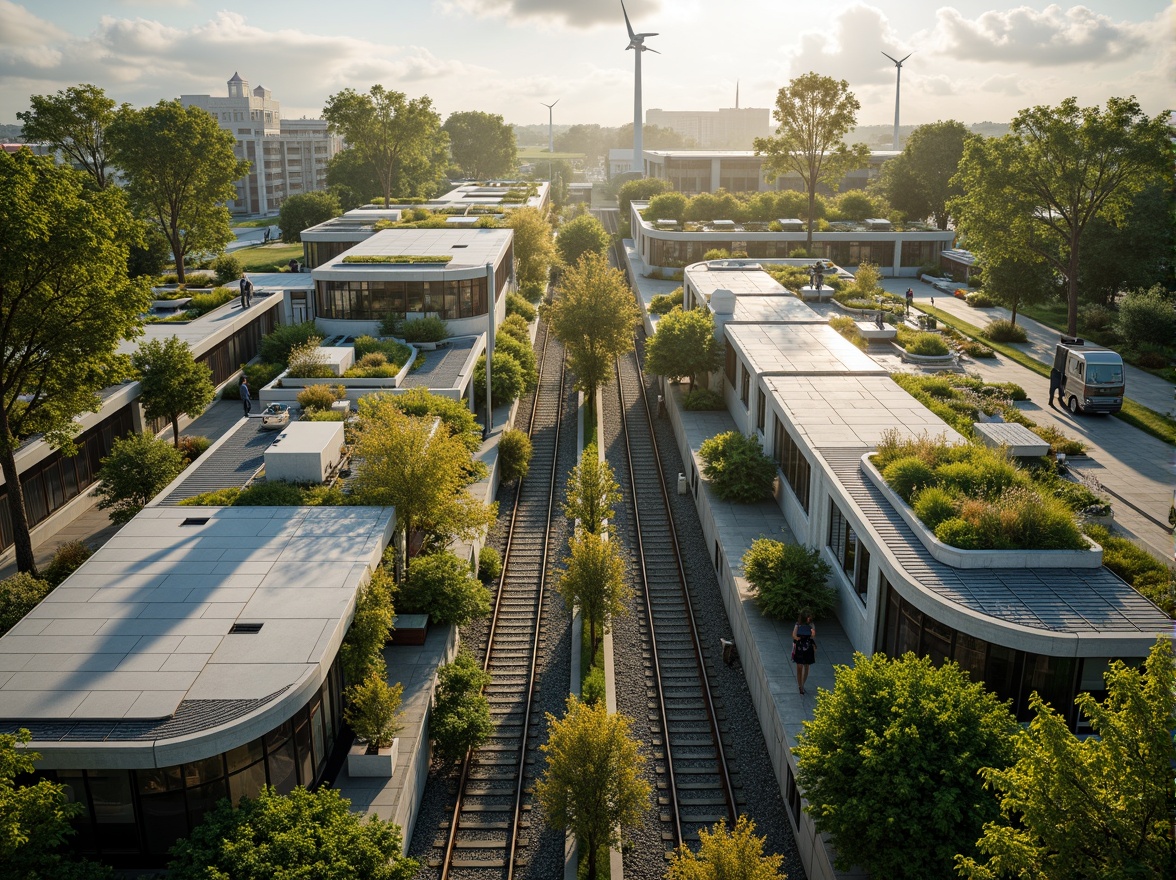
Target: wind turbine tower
pixel 550 130
pixel 637 44
pixel 897 93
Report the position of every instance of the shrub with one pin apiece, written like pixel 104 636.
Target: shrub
pixel 1153 359
pixel 975 349
pixel 372 359
pixel 1096 317
pixel 308 361
pixel 516 305
pixel 489 564
pixel 362 652
pixel 980 300
pixel 66 560
pixel 316 397
pixel 20 594
pixel 454 414
pixel 192 447
pixel 1058 442
pixel 138 468
pixel 934 505
pixel 787 578
pixel 1125 558
pixel 533 291
pixel 1147 316
pixel 515 327
pixel 737 468
pixel 664 303
pixel 203 303
pixel 506 380
pixel 227 268
pixel 271 493
pixel 427 329
pixel 847 327
pixel 595 688
pixel 957 532
pixel 717 254
pixel 365 345
pixel 215 498
pixel 703 400
pixel 514 455
pixel 460 719
pixel 1158 587
pixel 1001 330
pixel 980 476
pixel 908 475
pixel 442 586
pixel 524 354
pixel 275 346
pixel 373 710
pixel 927 344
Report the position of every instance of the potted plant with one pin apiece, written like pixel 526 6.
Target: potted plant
pixel 373 711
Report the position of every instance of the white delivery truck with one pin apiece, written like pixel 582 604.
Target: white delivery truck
pixel 1092 378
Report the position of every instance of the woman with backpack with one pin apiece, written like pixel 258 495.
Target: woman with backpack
pixel 804 646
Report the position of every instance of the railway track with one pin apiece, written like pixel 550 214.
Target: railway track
pixel 488 834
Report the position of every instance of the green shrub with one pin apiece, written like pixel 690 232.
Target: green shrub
pixel 533 291
pixel 203 303
pixel 270 493
pixel 373 710
pixel 442 586
pixel 192 447
pixel 980 476
pixel 362 652
pixel 489 564
pixel 703 400
pixel 514 455
pixel 1095 317
pixel 847 327
pixel 980 300
pixel 716 254
pixel 787 578
pixel 227 268
pixel 259 375
pixel 67 559
pixel 427 329
pixel 372 359
pixel 507 382
pixel 595 687
pixel 138 468
pixel 1147 316
pixel 927 344
pixel 975 349
pixel 308 361
pixel 454 414
pixel 934 505
pixel 216 498
pixel 524 354
pixel 1001 330
pixel 460 719
pixel 276 346
pixel 365 345
pixel 20 594
pixel 517 305
pixel 1160 588
pixel 908 475
pixel 516 327
pixel 316 397
pixel 664 303
pixel 1125 558
pixel 957 532
pixel 737 468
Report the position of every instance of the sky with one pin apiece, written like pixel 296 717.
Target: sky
pixel 972 60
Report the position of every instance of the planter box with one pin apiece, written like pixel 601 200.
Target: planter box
pixel 410 629
pixel 381 765
pixel 165 305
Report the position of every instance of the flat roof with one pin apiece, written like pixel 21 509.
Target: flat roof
pixel 800 349
pixel 467 247
pixel 142 628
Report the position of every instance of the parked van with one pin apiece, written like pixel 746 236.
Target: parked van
pixel 1092 379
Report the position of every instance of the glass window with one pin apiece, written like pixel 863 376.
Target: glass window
pixel 729 365
pixel 282 767
pixel 744 385
pixel 319 736
pixel 936 640
pixel 203 798
pixel 1053 679
pixel 910 621
pixel 165 820
pixel 247 783
pixel 969 653
pixel 760 406
pixel 861 581
pixel 302 743
pixel 200 772
pixel 159 780
pixel 114 810
pixel 243 756
pixel 793 465
pixel 73 783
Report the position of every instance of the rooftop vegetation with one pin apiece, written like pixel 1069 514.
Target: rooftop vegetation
pixel 397 258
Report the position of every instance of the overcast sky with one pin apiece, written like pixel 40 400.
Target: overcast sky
pixel 972 61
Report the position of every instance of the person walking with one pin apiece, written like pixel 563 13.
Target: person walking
pixel 246 399
pixel 246 292
pixel 804 646
pixel 1055 384
pixel 910 301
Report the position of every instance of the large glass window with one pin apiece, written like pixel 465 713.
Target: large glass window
pixel 852 556
pixel 744 385
pixel 793 465
pixel 376 300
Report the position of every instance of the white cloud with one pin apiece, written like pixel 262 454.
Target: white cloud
pixel 852 48
pixel 1003 84
pixel 571 13
pixel 20 28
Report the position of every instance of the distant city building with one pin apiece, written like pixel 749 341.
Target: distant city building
pixel 288 156
pixel 731 128
pixel 699 171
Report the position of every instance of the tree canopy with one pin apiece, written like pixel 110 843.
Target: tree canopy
pixel 460 719
pixel 352 180
pixel 684 345
pixel 594 317
pixel 1038 188
pixel 1100 806
pixel 171 382
pixel 918 181
pixel 592 784
pixel 640 191
pixel 180 170
pixel 734 854
pixel 594 579
pixel 65 306
pixel 533 246
pixel 289 837
pixel 890 764
pixel 814 113
pixel 399 139
pixel 581 235
pixel 482 144
pixel 304 210
pixel 592 491
pixel 138 468
pixel 73 121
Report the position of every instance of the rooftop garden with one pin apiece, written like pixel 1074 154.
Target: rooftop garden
pixel 397 258
pixel 426 218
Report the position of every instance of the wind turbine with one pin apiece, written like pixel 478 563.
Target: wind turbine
pixel 637 44
pixel 897 92
pixel 550 130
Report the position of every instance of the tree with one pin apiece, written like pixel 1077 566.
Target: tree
pixel 737 854
pixel 138 468
pixel 1147 317
pixel 918 181
pixel 737 468
pixel 283 837
pixel 815 112
pixel 1017 279
pixel 533 246
pixel 592 784
pixel 362 652
pixel 373 711
pixel 351 179
pixel 507 381
pixel 305 210
pixel 591 140
pixel 73 121
pixel 787 578
pixel 514 455
pixel 583 235
pixel 171 382
pixel 1129 252
pixel 419 469
pixel 1093 807
pixel 180 171
pixel 890 764
pixel 460 719
pixel 442 586
pixel 684 345
pixel 594 579
pixel 653 137
pixel 642 190
pixel 400 140
pixel 65 306
pixel 482 144
pixel 594 317
pixel 592 491
pixel 1039 187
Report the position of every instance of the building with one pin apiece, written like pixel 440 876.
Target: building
pixel 729 128
pixel 287 156
pixel 895 250
pixel 699 171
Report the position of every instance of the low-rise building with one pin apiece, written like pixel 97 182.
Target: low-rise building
pixel 699 171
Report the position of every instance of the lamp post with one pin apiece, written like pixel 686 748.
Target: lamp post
pixel 492 295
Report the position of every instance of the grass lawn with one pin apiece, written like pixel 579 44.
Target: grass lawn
pixel 259 223
pixel 265 257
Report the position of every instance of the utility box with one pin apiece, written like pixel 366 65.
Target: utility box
pixel 683 485
pixel 306 452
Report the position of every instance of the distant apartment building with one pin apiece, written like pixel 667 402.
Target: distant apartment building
pixel 730 128
pixel 287 156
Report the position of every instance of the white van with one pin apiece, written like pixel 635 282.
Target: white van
pixel 1092 379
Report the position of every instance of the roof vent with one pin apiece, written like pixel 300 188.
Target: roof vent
pixel 194 521
pixel 245 628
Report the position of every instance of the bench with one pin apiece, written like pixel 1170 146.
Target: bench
pixel 872 333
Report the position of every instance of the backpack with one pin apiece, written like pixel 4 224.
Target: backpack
pixel 804 642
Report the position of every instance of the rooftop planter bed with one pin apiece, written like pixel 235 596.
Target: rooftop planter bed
pixel 397 258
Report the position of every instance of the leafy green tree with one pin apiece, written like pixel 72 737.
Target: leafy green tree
pixel 481 143
pixel 534 247
pixel 1148 317
pixel 398 139
pixel 1038 188
pixel 138 468
pixel 362 652
pixel 787 578
pixel 507 380
pixel 460 719
pixel 352 179
pixel 1094 807
pixel 918 181
pixel 592 784
pixel 665 206
pixel 180 171
pixel 653 137
pixel 288 837
pixel 737 854
pixel 684 345
pixel 305 210
pixel 643 190
pixel 814 114
pixel 1017 279
pixel 514 455
pixel 591 140
pixel 172 383
pixel 73 121
pixel 737 468
pixel 65 306
pixel 594 317
pixel 582 235
pixel 20 594
pixel 442 586
pixel 592 491
pixel 150 256
pixel 455 414
pixel 891 764
pixel 1129 252
pixel 594 579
